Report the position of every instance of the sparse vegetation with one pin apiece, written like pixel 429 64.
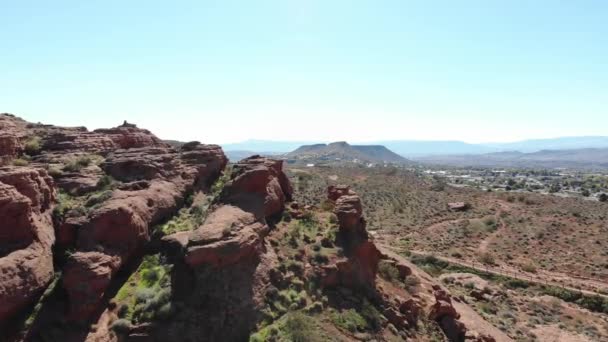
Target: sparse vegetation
pixel 77 164
pixel 21 162
pixel 32 145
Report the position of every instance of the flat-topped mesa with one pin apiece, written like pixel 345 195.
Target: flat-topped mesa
pixel 27 197
pixel 257 190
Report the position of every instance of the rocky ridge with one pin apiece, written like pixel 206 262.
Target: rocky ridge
pixel 160 243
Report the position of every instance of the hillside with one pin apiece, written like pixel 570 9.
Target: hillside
pixel 339 152
pixel 588 158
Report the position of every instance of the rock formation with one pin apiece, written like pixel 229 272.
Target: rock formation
pixel 105 229
pixel 27 197
pixel 359 265
pixel 121 226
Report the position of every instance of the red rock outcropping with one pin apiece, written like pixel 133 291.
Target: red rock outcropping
pixel 26 236
pixel 257 190
pixel 119 228
pixel 360 265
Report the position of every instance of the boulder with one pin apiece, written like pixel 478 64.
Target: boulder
pixel 442 306
pixel 459 206
pixel 229 235
pixel 262 178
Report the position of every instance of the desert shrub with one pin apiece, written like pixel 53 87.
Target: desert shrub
pixel 388 271
pixel 121 326
pixel 529 267
pixel 98 198
pixel 300 328
pixel 603 197
pixel 32 146
pixel 65 202
pixel 20 162
pixel 143 295
pixel 516 283
pixel 327 205
pixel 77 164
pixel 371 315
pixel 489 308
pixel 350 320
pixel 487 258
pixel 105 182
pixel 55 172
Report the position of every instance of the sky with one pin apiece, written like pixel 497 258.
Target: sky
pixel 312 70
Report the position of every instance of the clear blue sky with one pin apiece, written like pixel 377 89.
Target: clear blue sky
pixel 225 71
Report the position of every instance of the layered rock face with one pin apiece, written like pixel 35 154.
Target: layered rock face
pixel 117 230
pixel 228 254
pixel 11 131
pixel 129 136
pixel 108 226
pixel 257 190
pixel 26 237
pixel 259 180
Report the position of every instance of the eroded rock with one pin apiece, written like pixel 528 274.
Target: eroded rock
pixel 27 236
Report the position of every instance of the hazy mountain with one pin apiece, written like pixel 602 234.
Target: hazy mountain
pixel 588 158
pixel 418 148
pixel 564 143
pixel 267 146
pixel 342 151
pixel 235 155
pixel 411 148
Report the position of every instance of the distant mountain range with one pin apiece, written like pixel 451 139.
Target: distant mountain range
pixel 344 152
pixel 586 158
pixel 419 148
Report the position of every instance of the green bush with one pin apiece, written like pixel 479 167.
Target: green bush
pixel 55 172
pixel 487 258
pixel 77 164
pixel 350 320
pixel 99 198
pixel 371 315
pixel 388 271
pixel 300 328
pixel 105 182
pixel 21 162
pixel 32 146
